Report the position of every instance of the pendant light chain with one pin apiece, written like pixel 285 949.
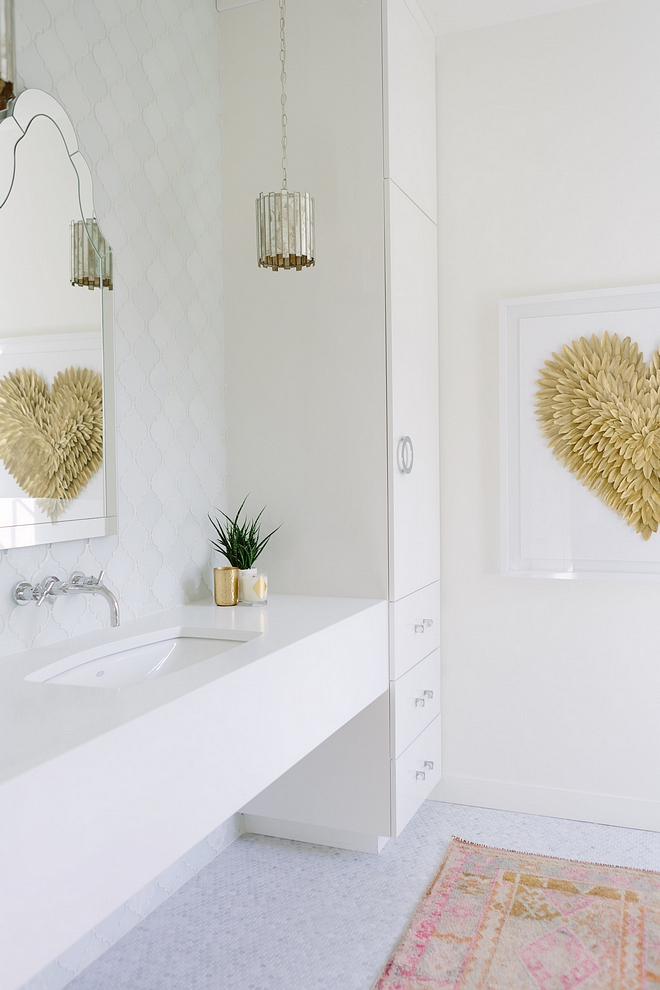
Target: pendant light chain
pixel 283 96
pixel 285 220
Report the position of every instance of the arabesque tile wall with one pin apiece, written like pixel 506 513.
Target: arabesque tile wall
pixel 139 79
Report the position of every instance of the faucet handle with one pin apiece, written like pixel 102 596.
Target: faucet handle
pixel 91 581
pixel 42 591
pixel 77 578
pixel 23 593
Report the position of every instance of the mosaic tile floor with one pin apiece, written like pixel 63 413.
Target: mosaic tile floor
pixel 269 914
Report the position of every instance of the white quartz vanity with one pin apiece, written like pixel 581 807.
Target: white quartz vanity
pixel 101 789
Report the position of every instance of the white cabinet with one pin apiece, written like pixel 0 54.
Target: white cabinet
pixel 332 376
pixel 410 140
pixel 412 295
pixel 412 333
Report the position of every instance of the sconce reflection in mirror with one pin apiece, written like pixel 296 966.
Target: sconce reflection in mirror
pixel 91 258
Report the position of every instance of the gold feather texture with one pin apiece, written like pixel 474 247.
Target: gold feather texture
pixel 51 442
pixel 598 404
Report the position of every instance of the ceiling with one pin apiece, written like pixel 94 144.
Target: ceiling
pixel 450 16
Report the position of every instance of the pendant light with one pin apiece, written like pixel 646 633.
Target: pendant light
pixel 285 220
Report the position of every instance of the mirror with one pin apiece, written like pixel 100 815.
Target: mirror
pixel 57 459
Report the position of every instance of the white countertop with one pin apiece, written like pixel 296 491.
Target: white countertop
pixel 102 789
pixel 40 721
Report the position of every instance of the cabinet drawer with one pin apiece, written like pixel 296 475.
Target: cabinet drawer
pixel 414 628
pixel 415 701
pixel 414 775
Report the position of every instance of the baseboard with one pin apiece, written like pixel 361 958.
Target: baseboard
pixel 316 834
pixel 87 950
pixel 603 809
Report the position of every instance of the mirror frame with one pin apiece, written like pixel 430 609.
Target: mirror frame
pixel 27 107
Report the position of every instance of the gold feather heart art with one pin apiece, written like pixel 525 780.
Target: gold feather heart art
pixel 598 404
pixel 51 441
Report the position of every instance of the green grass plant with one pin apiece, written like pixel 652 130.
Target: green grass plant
pixel 239 541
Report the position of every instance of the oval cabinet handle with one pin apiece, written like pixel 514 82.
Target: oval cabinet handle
pixel 405 455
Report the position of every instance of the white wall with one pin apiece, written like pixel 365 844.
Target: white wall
pixel 140 81
pixel 549 156
pixel 306 410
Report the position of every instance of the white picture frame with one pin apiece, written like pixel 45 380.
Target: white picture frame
pixel 551 525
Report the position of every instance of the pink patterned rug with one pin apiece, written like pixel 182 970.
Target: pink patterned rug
pixel 498 920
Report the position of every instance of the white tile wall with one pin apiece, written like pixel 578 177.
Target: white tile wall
pixel 139 78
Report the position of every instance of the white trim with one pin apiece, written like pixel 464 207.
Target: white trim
pixel 319 835
pixel 582 806
pixel 39 343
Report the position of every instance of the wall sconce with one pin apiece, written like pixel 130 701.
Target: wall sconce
pixel 91 257
pixel 7 58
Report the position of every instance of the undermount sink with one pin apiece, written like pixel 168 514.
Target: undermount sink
pixel 140 658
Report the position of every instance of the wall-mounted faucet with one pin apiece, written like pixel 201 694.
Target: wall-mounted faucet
pixel 78 584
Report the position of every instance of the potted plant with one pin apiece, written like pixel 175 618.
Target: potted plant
pixel 241 542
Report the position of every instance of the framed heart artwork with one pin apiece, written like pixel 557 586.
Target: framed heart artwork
pixel 580 434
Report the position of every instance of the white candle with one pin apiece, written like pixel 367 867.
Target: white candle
pixel 254 587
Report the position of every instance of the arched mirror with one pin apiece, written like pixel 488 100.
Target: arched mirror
pixel 57 458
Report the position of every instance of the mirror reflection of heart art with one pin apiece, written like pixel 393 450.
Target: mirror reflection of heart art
pixel 51 442
pixel 598 404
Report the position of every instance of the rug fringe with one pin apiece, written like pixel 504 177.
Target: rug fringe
pixel 564 859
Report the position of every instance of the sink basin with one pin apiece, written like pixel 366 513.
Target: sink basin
pixel 140 658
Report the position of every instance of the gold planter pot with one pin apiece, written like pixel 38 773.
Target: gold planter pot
pixel 225 585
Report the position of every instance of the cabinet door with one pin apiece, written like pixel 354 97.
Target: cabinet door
pixel 413 396
pixel 410 117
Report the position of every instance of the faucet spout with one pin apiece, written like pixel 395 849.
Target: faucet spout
pixel 81 585
pixel 112 602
